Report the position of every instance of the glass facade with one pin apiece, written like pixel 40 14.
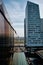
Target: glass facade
pixel 33 24
pixel 25 31
pixel 6 38
pixel 41 30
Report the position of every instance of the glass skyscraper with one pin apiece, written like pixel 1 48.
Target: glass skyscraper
pixel 24 30
pixel 33 25
pixel 41 30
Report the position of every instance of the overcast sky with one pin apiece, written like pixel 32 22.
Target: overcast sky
pixel 16 11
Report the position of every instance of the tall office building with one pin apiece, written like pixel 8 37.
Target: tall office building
pixel 41 30
pixel 25 31
pixel 41 24
pixel 33 24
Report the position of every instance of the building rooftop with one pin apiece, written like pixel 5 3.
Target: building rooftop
pixel 30 2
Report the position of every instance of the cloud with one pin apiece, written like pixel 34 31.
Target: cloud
pixel 20 32
pixel 41 10
pixel 16 11
pixel 37 1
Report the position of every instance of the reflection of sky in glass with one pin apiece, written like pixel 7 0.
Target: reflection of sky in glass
pixel 16 11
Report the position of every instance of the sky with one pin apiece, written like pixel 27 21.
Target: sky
pixel 16 12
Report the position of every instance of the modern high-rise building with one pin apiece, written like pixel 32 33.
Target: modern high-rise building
pixel 6 37
pixel 41 24
pixel 24 30
pixel 33 25
pixel 41 30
